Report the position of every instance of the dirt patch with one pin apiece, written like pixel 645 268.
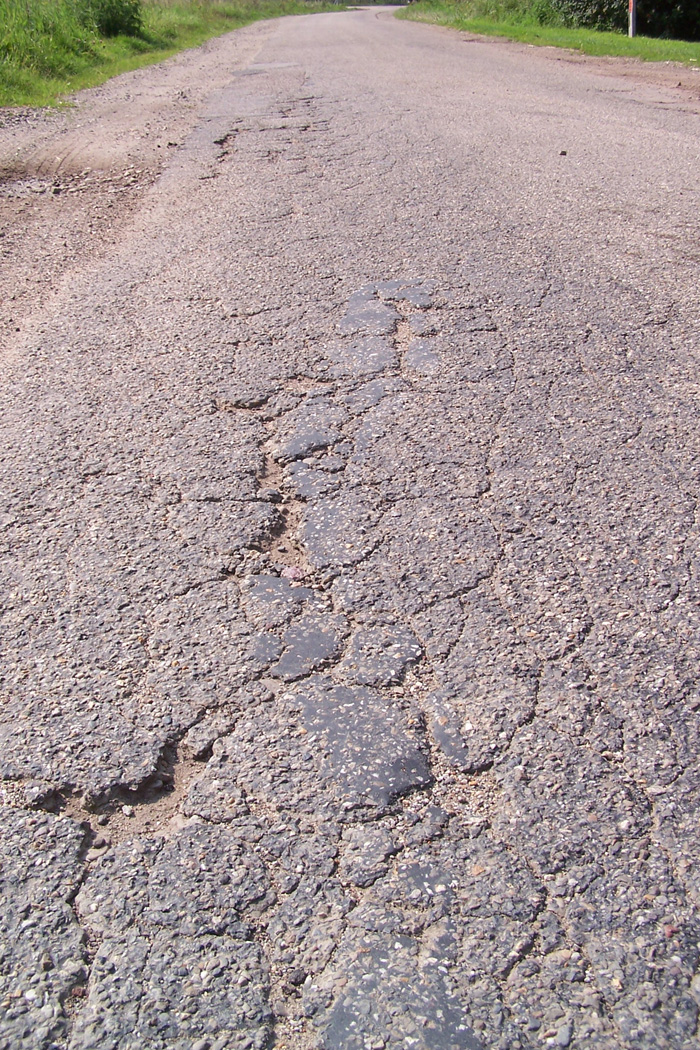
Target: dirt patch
pixel 670 84
pixel 667 83
pixel 71 178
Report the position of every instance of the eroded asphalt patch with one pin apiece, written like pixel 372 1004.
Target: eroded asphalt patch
pixel 352 630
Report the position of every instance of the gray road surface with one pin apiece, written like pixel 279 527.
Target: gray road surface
pixel 350 604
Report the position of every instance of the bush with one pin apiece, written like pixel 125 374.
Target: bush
pixel 679 19
pixel 594 14
pixel 112 17
pixel 547 13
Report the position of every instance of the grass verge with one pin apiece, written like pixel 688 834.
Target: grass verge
pixel 468 16
pixel 47 49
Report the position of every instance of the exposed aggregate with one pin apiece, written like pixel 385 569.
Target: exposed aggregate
pixel 384 531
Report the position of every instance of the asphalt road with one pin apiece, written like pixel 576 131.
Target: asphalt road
pixel 350 601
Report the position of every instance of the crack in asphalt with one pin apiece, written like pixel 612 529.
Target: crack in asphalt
pixel 440 824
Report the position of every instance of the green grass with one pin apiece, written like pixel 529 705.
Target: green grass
pixel 512 20
pixel 49 48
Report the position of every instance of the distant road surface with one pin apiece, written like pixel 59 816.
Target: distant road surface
pixel 350 611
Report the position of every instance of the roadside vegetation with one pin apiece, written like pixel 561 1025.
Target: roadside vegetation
pixel 669 29
pixel 51 47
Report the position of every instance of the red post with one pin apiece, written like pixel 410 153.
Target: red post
pixel 633 18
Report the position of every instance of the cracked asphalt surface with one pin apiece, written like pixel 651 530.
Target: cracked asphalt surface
pixel 350 551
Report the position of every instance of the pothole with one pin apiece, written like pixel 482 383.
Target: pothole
pixel 403 335
pixel 153 809
pixel 284 548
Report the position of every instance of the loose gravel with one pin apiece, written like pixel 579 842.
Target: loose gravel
pixel 350 551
